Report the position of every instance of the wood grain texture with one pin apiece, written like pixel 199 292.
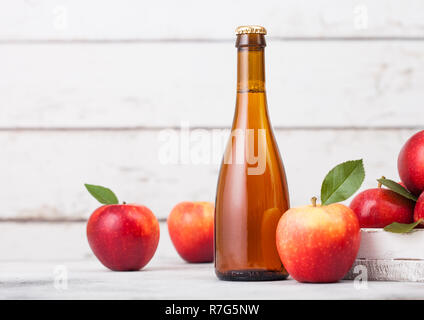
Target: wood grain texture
pixel 188 19
pixel 310 84
pixel 43 172
pixel 382 245
pixel 387 270
pixel 29 273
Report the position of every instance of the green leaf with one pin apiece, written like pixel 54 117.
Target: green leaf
pixel 102 194
pixel 396 187
pixel 396 227
pixel 342 181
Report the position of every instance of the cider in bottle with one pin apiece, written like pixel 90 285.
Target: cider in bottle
pixel 252 191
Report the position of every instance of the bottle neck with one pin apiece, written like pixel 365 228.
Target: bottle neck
pixel 251 63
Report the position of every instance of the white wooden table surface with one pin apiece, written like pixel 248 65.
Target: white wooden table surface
pixel 32 254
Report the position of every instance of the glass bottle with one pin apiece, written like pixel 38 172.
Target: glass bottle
pixel 252 191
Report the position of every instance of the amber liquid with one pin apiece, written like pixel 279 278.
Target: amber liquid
pixel 250 203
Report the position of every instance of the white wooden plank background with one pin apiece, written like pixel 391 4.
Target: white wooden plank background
pixel 43 171
pixel 190 19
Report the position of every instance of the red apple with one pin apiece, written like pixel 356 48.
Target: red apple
pixel 190 226
pixel 378 207
pixel 123 237
pixel 411 163
pixel 318 243
pixel 419 208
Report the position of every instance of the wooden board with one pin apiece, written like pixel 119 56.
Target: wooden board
pixel 387 270
pixel 188 19
pixel 43 172
pixel 310 84
pixel 385 256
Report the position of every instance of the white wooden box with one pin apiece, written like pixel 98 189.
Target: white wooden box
pixel 390 256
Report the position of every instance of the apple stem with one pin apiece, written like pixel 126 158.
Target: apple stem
pixel 380 184
pixel 124 202
pixel 314 201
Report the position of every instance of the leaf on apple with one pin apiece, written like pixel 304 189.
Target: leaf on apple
pixel 342 182
pixel 396 227
pixel 396 187
pixel 102 194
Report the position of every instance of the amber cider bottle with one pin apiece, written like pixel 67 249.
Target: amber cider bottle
pixel 252 191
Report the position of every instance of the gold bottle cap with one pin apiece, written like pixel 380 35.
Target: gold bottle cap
pixel 250 29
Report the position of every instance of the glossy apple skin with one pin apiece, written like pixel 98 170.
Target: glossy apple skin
pixel 419 208
pixel 318 244
pixel 123 237
pixel 378 207
pixel 411 163
pixel 190 226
